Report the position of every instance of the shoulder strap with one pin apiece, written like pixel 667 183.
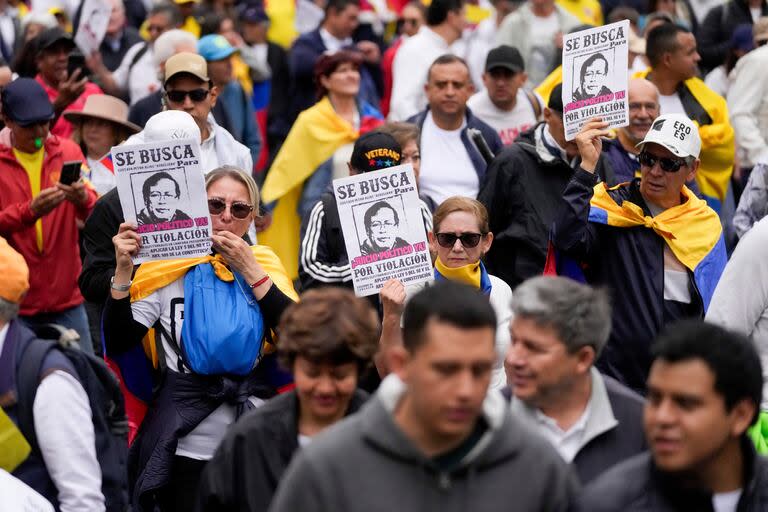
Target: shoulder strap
pixel 534 103
pixel 27 380
pixel 139 54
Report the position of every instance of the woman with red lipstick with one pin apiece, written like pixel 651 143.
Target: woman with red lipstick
pixel 327 339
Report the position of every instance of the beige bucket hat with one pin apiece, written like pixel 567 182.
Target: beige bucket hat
pixel 104 106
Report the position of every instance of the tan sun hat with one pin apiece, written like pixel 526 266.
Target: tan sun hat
pixel 104 106
pixel 760 30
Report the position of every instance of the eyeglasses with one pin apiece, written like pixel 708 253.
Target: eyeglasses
pixel 649 106
pixel 382 225
pixel 239 210
pixel 666 164
pixel 196 95
pixel 468 240
pixel 161 195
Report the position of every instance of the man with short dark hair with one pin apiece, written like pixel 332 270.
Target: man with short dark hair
pixel 336 32
pixel 671 50
pixel 414 59
pixel 558 329
pixel 434 435
pixel 658 247
pixel 445 137
pixel 66 93
pixel 704 391
pixel 522 189
pixel 504 103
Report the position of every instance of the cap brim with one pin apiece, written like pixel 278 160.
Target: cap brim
pixel 30 122
pixel 224 54
pixel 67 40
pixel 185 72
pixel 79 116
pixel 663 144
pixel 503 65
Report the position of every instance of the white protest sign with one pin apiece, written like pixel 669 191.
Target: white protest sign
pixel 595 76
pixel 94 18
pixel 162 190
pixel 383 228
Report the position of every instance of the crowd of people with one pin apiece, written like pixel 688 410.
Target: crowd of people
pixel 594 335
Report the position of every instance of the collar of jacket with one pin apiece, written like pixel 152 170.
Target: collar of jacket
pixel 379 426
pixel 599 421
pixel 686 497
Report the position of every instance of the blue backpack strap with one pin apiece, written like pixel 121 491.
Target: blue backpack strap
pixel 29 364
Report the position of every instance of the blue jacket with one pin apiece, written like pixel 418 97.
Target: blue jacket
pixel 490 135
pixel 302 58
pixel 630 262
pixel 242 118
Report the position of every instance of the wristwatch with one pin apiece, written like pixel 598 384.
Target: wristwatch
pixel 119 287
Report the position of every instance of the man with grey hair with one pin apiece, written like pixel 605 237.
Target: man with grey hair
pixel 559 328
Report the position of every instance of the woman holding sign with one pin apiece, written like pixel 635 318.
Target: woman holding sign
pixel 459 239
pixel 211 318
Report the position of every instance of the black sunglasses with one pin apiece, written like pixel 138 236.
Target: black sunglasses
pixel 468 240
pixel 666 164
pixel 239 210
pixel 196 95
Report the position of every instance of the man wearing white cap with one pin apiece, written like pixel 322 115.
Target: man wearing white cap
pixel 656 245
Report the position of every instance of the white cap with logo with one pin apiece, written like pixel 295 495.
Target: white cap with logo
pixel 675 132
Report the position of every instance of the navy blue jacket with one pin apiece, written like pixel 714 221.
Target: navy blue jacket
pixel 302 58
pixel 630 262
pixel 490 135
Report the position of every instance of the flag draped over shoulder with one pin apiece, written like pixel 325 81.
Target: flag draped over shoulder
pixel 315 136
pixel 134 367
pixel 692 230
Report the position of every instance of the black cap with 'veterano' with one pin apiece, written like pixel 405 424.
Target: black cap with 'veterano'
pixel 374 151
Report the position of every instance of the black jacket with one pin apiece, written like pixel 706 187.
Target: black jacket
pixel 630 262
pixel 637 485
pixel 98 250
pixel 113 58
pixel 245 470
pixel 522 191
pixel 714 37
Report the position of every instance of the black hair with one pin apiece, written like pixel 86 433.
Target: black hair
pixel 154 180
pixel 595 57
pixel 730 356
pixel 170 10
pixel 661 40
pixel 447 58
pixel 373 210
pixel 211 22
pixel 438 10
pixel 448 302
pixel 339 5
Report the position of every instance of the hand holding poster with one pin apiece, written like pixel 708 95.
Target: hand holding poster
pixel 94 19
pixel 162 191
pixel 595 76
pixel 383 229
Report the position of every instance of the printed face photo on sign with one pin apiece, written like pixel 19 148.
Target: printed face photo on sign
pixel 157 196
pixel 592 73
pixel 383 224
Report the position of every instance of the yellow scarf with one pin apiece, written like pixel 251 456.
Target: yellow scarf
pixel 315 136
pixel 468 274
pixel 691 229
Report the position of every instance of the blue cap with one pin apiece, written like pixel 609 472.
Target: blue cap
pixel 25 102
pixel 214 47
pixel 741 39
pixel 253 13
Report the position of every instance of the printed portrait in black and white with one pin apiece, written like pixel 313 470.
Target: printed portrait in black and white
pixel 161 195
pixel 382 229
pixel 593 78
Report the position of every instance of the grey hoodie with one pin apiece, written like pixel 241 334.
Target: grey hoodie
pixel 366 463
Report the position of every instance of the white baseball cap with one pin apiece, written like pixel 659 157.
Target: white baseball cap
pixel 675 132
pixel 171 125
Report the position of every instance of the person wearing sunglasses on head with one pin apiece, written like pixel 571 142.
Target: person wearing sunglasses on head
pixel 212 318
pixel 459 239
pixel 651 241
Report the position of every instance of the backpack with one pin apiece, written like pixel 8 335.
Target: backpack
pixel 105 399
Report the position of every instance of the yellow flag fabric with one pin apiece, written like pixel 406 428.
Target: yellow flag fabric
pixel 466 274
pixel 282 22
pixel 718 146
pixel 315 136
pixel 14 448
pixel 589 12
pixel 691 229
pixel 544 89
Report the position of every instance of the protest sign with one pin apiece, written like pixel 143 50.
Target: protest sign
pixel 94 19
pixel 595 76
pixel 383 228
pixel 162 190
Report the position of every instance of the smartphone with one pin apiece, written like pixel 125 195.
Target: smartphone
pixel 77 61
pixel 70 173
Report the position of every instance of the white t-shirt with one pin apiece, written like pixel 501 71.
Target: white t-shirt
pixel 542 33
pixel 141 79
pixel 507 124
pixel 726 501
pixel 167 305
pixel 446 169
pixel 671 104
pixel 568 442
pixel 756 12
pixel 102 179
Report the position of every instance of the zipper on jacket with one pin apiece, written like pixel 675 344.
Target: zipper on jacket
pixel 444 481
